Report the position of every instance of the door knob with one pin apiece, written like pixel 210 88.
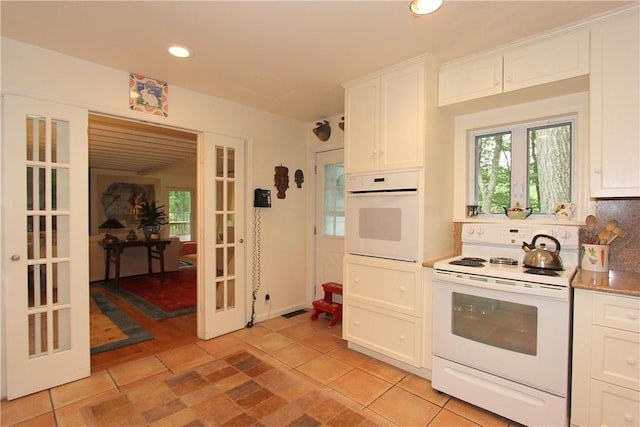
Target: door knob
pixel 15 257
pixel 241 240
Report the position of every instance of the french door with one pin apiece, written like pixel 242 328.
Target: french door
pixel 221 213
pixel 44 244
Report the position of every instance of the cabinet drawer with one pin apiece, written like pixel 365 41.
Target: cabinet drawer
pixel 387 284
pixel 385 332
pixel 613 406
pixel 615 357
pixel 616 312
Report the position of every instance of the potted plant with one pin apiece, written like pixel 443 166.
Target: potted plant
pixel 150 217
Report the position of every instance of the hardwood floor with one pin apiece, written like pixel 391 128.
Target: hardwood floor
pixel 168 333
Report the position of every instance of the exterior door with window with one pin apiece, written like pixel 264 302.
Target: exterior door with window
pixel 329 239
pixel 45 271
pixel 221 262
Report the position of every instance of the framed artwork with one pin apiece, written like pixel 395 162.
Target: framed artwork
pixel 148 95
pixel 116 197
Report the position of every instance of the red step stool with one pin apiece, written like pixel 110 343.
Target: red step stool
pixel 327 305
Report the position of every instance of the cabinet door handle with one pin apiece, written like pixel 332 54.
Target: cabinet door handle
pixel 508 79
pixel 401 337
pixel 632 315
pixel 356 322
pixel 628 417
pixel 631 361
pixel 496 82
pixel 402 289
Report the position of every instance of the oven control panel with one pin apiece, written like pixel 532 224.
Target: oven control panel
pixel 514 235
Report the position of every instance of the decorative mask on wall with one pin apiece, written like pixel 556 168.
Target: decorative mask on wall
pixel 323 130
pixel 299 177
pixel 282 180
pixel 341 124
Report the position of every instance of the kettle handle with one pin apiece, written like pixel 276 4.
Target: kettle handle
pixel 533 242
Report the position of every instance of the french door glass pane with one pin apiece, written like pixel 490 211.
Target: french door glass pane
pixel 231 293
pixel 48 226
pixel 231 165
pixel 225 228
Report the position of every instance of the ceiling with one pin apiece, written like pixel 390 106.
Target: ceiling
pixel 141 148
pixel 286 57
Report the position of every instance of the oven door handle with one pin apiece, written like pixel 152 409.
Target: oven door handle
pixel 381 193
pixel 503 285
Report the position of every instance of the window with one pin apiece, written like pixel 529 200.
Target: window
pixel 529 164
pixel 334 199
pixel 180 214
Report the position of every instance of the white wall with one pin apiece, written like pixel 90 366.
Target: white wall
pixel 272 140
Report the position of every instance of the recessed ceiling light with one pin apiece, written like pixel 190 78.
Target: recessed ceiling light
pixel 179 51
pixel 424 7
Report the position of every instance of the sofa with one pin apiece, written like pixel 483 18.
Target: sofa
pixel 133 261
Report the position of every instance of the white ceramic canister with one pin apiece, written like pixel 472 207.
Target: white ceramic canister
pixel 594 258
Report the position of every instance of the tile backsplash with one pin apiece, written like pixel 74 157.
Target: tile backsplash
pixel 624 254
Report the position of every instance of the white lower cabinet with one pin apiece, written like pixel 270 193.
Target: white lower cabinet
pixel 606 360
pixel 382 307
pixel 393 334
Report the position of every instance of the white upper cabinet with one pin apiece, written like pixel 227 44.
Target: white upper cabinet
pixel 543 61
pixel 470 80
pixel 614 111
pixel 384 120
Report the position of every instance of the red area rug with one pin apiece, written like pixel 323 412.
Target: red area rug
pixel 176 296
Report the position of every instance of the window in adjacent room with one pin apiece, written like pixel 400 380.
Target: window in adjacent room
pixel 180 214
pixel 334 199
pixel 529 164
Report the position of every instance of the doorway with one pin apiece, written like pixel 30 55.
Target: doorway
pixel 130 151
pixel 329 218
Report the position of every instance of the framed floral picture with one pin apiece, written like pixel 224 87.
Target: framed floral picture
pixel 148 95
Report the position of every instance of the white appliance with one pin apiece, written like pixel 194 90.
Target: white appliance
pixel 382 215
pixel 501 331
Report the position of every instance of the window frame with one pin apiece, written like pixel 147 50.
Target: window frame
pixel 520 181
pixel 574 103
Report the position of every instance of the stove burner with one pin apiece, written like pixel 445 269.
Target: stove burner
pixel 503 261
pixel 469 262
pixel 542 272
pixel 470 258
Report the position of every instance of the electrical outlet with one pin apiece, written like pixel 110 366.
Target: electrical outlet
pixel 267 297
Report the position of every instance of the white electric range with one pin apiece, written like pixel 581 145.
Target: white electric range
pixel 501 330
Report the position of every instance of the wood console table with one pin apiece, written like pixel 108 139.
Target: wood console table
pixel 112 252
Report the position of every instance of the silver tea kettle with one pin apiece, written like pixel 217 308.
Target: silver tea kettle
pixel 540 256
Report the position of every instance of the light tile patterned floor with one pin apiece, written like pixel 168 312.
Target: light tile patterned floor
pixel 309 349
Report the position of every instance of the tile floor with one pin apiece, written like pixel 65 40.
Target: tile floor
pixel 310 349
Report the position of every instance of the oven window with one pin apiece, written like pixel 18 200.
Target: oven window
pixel 502 324
pixel 380 224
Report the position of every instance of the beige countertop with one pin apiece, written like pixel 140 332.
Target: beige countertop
pixel 617 282
pixel 429 263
